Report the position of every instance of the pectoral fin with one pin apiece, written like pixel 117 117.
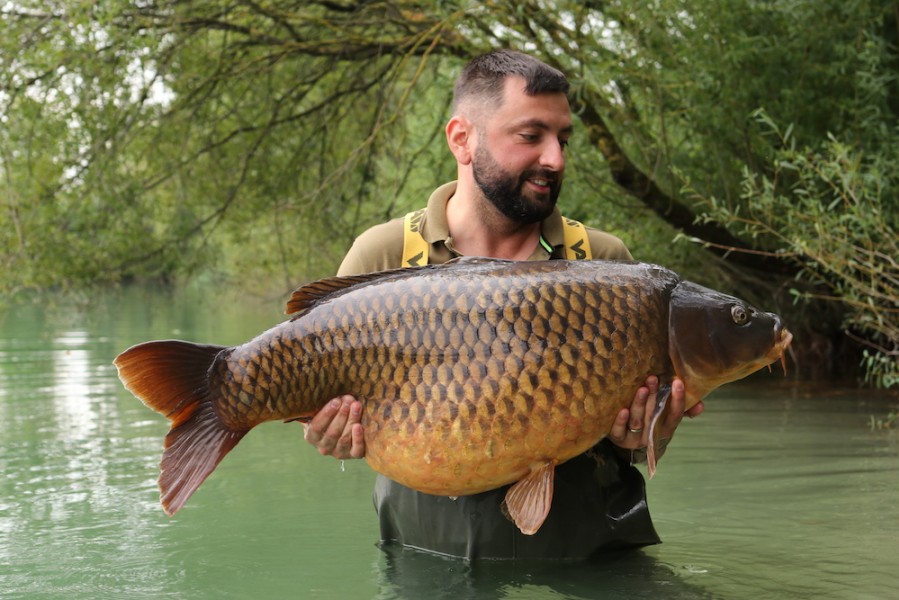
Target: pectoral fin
pixel 528 501
pixel 657 415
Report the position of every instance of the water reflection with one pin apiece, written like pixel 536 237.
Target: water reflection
pixel 72 379
pixel 406 573
pixel 70 470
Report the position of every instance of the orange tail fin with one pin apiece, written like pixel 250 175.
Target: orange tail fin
pixel 171 377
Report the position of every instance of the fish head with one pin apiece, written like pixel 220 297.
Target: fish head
pixel 714 338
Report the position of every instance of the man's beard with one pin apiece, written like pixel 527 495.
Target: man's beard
pixel 506 192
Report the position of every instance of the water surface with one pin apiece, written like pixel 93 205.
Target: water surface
pixel 779 490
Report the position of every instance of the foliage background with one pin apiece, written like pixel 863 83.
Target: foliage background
pixel 752 146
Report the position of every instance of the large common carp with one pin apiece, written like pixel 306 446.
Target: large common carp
pixel 473 374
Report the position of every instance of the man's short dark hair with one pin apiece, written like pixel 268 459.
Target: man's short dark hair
pixel 482 78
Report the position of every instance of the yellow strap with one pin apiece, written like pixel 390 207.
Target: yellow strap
pixel 415 248
pixel 577 245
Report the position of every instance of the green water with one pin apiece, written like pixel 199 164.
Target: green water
pixel 777 491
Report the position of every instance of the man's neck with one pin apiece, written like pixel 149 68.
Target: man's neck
pixel 479 229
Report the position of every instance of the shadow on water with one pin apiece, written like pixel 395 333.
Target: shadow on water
pixel 407 573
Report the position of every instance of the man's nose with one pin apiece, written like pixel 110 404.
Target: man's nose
pixel 553 156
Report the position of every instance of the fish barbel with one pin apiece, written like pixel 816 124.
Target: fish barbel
pixel 473 374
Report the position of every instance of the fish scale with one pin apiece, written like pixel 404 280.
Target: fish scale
pixel 472 374
pixel 544 367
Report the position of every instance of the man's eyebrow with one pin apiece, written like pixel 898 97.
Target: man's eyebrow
pixel 539 124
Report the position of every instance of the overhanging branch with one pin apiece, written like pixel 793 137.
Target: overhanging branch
pixel 634 181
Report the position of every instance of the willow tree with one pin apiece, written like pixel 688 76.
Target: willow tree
pixel 257 138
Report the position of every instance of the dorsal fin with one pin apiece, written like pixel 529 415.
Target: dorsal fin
pixel 310 294
pixel 307 296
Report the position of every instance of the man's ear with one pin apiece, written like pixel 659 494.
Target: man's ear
pixel 460 137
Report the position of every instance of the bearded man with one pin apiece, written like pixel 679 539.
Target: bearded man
pixel 510 125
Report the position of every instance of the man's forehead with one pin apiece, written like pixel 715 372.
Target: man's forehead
pixel 547 109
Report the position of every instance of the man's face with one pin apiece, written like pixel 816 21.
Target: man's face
pixel 519 159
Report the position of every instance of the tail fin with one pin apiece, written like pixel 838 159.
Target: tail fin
pixel 171 377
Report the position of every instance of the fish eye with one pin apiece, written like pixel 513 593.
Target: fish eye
pixel 739 314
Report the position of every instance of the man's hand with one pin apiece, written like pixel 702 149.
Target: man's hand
pixel 336 431
pixel 631 429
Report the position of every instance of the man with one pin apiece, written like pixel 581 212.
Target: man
pixel 510 125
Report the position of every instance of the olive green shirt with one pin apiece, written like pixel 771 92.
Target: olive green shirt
pixel 381 247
